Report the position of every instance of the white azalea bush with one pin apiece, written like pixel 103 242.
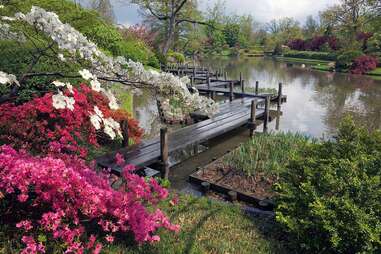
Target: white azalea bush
pixel 75 47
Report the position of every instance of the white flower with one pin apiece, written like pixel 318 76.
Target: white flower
pixel 110 132
pixel 70 103
pixel 86 74
pixel 7 18
pixel 70 41
pixel 58 83
pixel 98 112
pixel 8 78
pixel 69 87
pixel 59 101
pixel 95 85
pixel 113 103
pixel 1 6
pixel 96 121
pixel 61 57
pixel 20 16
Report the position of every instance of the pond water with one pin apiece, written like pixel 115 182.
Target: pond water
pixel 317 101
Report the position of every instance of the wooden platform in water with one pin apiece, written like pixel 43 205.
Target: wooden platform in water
pixel 232 115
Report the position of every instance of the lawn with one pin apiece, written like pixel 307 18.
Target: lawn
pixel 376 72
pixel 211 227
pixel 303 60
pixel 206 227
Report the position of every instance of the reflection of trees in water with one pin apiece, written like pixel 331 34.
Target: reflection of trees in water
pixel 338 93
pixel 358 96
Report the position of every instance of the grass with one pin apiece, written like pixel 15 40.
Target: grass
pixel 125 98
pixel 376 72
pixel 322 67
pixel 206 227
pixel 266 153
pixel 303 60
pixel 210 227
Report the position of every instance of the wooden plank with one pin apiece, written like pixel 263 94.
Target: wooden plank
pixel 217 128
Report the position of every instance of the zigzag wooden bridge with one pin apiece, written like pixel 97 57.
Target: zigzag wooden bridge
pixel 242 109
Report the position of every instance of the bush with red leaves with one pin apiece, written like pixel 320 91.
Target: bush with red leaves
pixel 364 64
pixel 42 129
pixel 297 44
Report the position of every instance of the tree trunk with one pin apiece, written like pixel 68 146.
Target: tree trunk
pixel 170 35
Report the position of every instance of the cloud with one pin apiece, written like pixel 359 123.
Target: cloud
pixel 261 10
pixel 265 10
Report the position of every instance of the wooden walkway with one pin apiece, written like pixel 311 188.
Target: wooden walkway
pixel 241 109
pixel 231 116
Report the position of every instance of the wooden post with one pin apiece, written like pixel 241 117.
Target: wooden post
pixel 208 82
pixel 243 86
pixel 194 72
pixel 267 114
pixel 124 126
pixel 240 78
pixel 253 117
pixel 256 87
pixel 192 81
pixel 231 94
pixel 280 90
pixel 213 95
pixel 226 75
pixel 164 152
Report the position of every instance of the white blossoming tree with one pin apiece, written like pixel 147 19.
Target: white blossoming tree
pixel 99 69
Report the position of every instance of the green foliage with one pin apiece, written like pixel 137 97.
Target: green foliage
pixel 278 50
pixel 266 153
pixel 175 57
pixel 329 196
pixel 232 34
pixel 326 56
pixel 346 58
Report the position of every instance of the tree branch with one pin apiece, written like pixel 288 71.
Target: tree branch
pixel 195 22
pixel 179 7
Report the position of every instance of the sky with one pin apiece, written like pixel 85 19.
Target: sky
pixel 262 10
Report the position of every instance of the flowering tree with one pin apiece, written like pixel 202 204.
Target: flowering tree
pixel 71 126
pixel 57 197
pixel 69 45
pixel 48 199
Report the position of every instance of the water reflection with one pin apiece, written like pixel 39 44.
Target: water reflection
pixel 317 101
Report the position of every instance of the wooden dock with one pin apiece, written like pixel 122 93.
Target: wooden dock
pixel 242 109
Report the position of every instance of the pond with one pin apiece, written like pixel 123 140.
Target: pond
pixel 317 101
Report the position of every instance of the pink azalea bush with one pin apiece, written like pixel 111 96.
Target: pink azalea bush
pixel 70 203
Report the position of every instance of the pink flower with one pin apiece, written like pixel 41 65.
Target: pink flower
pixel 109 238
pixel 69 193
pixel 22 198
pixel 98 248
pixel 119 159
pixel 25 224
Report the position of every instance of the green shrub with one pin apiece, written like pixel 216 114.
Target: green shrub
pixel 346 58
pixel 326 56
pixel 266 153
pixel 329 196
pixel 175 57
